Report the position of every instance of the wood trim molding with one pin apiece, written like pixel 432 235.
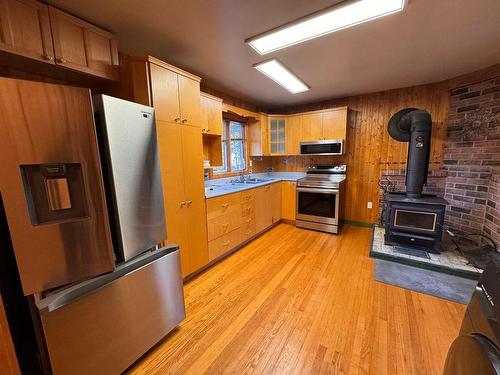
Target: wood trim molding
pixel 277 115
pixel 228 253
pixel 163 64
pixel 211 96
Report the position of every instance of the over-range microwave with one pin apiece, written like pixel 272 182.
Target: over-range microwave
pixel 323 147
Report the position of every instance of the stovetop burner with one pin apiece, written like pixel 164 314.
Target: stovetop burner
pixel 324 176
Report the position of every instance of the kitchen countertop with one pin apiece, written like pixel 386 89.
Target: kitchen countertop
pixel 217 187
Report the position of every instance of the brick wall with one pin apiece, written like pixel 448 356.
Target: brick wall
pixel 472 157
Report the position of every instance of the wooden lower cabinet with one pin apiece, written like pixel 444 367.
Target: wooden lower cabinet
pixel 223 244
pixel 288 200
pixel 234 218
pixel 224 224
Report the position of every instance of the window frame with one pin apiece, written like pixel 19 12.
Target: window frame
pixel 226 143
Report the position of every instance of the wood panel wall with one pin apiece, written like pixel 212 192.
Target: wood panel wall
pixel 369 146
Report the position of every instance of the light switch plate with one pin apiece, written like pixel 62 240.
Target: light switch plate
pixel 369 205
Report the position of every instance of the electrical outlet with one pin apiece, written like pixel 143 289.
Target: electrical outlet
pixel 369 205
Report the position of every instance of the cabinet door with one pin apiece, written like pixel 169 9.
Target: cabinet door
pixel 215 118
pixel 189 99
pixel 84 47
pixel 335 124
pixel 277 134
pixel 292 135
pixel 102 53
pixel 25 29
pixel 274 193
pixel 312 127
pixel 172 175
pixel 263 215
pixel 192 163
pixel 288 200
pixel 165 93
pixel 211 115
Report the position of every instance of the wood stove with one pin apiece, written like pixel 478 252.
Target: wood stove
pixel 412 218
pixel 415 222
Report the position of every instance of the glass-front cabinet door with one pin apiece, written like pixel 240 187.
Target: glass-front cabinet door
pixel 277 135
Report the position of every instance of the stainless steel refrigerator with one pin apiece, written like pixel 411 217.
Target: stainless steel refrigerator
pixel 83 206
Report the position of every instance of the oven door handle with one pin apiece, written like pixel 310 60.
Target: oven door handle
pixel 317 190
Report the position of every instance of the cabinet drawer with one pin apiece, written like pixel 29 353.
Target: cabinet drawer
pixel 247 196
pixel 247 209
pixel 223 244
pixel 248 232
pixel 219 206
pixel 248 221
pixel 224 224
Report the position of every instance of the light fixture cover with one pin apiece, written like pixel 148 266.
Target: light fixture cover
pixel 282 76
pixel 324 22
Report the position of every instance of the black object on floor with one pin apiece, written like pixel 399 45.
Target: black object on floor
pixel 449 287
pixel 477 349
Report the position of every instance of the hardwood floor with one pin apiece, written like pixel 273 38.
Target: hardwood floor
pixel 301 302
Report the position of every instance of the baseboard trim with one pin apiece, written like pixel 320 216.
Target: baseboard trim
pixel 359 223
pixel 213 262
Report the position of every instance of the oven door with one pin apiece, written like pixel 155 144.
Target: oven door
pixel 318 205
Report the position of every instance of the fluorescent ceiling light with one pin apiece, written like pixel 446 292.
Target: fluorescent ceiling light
pixel 324 22
pixel 282 76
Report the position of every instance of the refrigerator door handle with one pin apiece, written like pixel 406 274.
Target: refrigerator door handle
pixel 67 296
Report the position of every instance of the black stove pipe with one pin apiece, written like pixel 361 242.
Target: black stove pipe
pixel 414 125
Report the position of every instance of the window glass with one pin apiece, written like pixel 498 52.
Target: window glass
pixel 237 156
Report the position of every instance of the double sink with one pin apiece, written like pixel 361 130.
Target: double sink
pixel 234 185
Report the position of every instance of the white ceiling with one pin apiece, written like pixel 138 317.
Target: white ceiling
pixel 431 40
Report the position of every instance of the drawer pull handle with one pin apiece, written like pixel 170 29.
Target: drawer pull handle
pixel 225 225
pixel 189 202
pixel 225 243
pixel 61 60
pixel 248 220
pixel 177 119
pixel 184 120
pixel 183 203
pixel 225 205
pixel 48 57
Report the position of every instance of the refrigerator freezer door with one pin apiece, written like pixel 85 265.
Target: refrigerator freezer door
pixel 127 137
pixel 103 325
pixel 51 184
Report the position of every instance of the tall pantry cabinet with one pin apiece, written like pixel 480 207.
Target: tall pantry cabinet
pixel 175 95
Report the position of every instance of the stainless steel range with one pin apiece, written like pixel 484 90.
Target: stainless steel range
pixel 320 198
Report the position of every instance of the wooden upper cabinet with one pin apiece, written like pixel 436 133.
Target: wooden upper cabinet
pixel 165 92
pixel 211 114
pixel 175 93
pixel 258 135
pixel 292 136
pixel 189 99
pixel 78 45
pixel 277 136
pixel 311 127
pixel 335 124
pixel 25 29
